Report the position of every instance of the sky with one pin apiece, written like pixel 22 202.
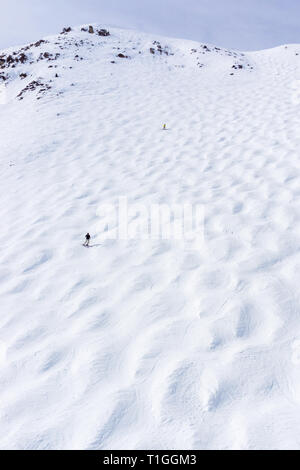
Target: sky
pixel 237 24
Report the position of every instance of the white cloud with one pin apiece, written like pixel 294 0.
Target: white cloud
pixel 247 24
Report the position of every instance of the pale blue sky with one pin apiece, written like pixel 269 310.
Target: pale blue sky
pixel 239 24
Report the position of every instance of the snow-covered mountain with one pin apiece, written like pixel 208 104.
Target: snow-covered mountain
pixel 152 343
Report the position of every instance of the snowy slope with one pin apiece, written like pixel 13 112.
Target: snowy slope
pixel 149 343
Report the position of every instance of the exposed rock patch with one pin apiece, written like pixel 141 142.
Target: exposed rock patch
pixel 12 60
pixel 32 86
pixel 66 30
pixel 99 32
pixel 48 56
pixel 158 49
pixel 3 77
pixel 103 32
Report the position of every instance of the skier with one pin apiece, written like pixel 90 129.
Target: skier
pixel 87 240
pixel 164 127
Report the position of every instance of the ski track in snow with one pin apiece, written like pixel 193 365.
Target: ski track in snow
pixel 152 344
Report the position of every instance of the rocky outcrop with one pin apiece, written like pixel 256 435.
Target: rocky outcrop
pixel 103 32
pixel 48 56
pixel 12 60
pixel 99 32
pixel 34 85
pixel 158 49
pixel 3 77
pixel 66 30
